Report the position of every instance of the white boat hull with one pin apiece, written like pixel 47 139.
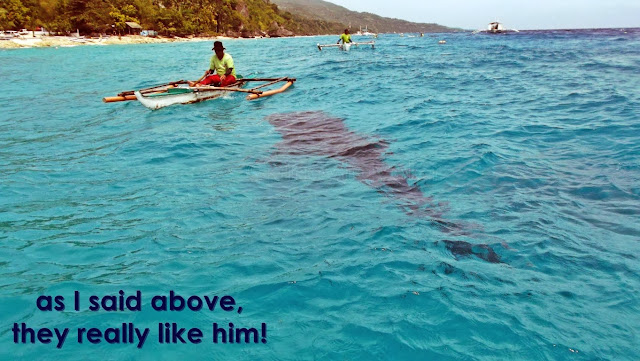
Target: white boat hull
pixel 165 99
pixel 495 28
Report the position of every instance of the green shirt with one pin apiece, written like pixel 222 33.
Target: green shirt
pixel 346 38
pixel 220 66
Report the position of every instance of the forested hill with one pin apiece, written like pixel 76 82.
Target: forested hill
pixel 323 10
pixel 168 17
pixel 196 17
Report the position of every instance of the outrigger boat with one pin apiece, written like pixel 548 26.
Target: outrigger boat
pixel 346 46
pixel 180 92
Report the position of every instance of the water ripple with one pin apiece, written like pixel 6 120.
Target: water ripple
pixel 527 143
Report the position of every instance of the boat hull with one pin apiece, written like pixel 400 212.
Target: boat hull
pixel 186 96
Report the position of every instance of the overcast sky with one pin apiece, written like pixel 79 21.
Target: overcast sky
pixel 518 14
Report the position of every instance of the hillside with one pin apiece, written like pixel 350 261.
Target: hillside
pixel 236 18
pixel 323 10
pixel 169 17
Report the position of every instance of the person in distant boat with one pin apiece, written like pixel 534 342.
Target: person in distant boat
pixel 345 37
pixel 221 71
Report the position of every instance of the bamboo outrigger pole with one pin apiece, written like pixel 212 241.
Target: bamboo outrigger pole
pixel 128 95
pixel 119 98
pixel 271 92
pixel 154 88
pixel 227 89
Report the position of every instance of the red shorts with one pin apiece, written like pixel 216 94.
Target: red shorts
pixel 215 80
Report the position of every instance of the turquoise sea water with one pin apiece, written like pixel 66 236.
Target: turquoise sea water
pixel 524 145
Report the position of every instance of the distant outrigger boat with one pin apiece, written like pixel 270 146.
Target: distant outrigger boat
pixel 495 28
pixel 346 46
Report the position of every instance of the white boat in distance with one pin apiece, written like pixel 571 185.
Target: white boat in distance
pixel 364 32
pixel 346 46
pixel 495 28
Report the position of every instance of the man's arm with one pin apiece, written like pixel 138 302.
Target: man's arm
pixel 227 73
pixel 229 65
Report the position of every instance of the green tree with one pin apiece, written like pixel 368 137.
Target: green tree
pixel 13 14
pixel 121 16
pixel 4 19
pixel 168 17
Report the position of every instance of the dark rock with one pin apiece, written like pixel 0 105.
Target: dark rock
pixel 280 32
pixel 247 34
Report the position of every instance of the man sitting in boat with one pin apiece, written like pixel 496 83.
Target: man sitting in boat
pixel 345 37
pixel 221 71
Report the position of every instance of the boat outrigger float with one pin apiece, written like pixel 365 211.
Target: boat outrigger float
pixel 180 92
pixel 346 46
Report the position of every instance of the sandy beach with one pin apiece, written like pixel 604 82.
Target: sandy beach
pixel 69 41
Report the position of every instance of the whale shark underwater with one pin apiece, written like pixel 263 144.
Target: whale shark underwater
pixel 317 133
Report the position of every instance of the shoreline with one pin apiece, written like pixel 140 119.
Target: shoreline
pixel 27 42
pixel 48 41
pixel 71 41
